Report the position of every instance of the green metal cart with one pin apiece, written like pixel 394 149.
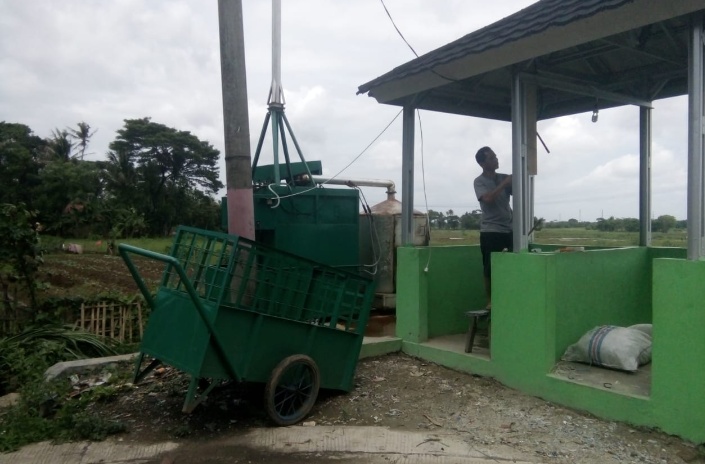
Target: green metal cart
pixel 228 308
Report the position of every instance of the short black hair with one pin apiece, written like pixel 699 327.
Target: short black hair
pixel 482 154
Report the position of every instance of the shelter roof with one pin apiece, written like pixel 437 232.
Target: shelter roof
pixel 582 54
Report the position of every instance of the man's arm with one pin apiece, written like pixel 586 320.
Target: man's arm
pixel 491 196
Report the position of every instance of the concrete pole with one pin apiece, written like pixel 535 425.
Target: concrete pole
pixel 238 174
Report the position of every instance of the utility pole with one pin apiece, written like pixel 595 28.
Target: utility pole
pixel 238 171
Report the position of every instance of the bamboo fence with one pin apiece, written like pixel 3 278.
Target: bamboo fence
pixel 118 321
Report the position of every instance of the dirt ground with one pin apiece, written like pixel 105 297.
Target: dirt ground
pixel 91 274
pixel 395 391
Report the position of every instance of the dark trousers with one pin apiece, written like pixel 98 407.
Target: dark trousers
pixel 491 242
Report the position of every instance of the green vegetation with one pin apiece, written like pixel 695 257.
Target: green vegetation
pixel 154 178
pixel 52 244
pixel 569 237
pixel 41 340
pixel 20 255
pixel 666 231
pixel 25 356
pixel 45 410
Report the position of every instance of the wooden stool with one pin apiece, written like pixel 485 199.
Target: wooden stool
pixel 474 316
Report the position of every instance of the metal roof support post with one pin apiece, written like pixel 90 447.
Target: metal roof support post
pixel 695 140
pixel 644 176
pixel 520 181
pixel 407 176
pixel 531 207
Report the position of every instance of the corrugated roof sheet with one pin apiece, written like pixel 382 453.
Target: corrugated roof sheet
pixel 531 20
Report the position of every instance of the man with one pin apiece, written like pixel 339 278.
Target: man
pixel 493 190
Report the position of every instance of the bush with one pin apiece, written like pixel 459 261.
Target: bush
pixel 25 356
pixel 20 254
pixel 45 412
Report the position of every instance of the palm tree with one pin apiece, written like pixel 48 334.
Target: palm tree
pixel 60 146
pixel 121 177
pixel 82 135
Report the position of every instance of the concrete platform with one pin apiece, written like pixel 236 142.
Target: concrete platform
pixel 293 445
pixel 635 384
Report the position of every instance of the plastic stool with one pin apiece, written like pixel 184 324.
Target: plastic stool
pixel 474 316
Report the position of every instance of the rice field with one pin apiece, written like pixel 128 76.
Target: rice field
pixel 569 237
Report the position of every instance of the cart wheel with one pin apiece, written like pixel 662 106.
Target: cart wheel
pixel 292 389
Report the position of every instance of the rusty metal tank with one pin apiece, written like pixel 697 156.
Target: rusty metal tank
pixel 380 235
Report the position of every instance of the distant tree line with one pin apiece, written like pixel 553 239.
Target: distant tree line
pixel 471 221
pixel 154 178
pixel 664 223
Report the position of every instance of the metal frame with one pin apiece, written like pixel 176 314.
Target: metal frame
pixel 520 181
pixel 645 176
pixel 407 176
pixel 695 140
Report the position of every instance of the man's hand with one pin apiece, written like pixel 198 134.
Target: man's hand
pixel 490 197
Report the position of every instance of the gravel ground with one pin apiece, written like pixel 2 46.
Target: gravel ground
pixel 404 393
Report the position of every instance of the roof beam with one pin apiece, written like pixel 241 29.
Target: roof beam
pixel 585 90
pixel 637 51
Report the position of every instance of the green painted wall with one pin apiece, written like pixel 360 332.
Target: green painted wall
pixel 604 287
pixel 434 301
pixel 678 375
pixel 412 295
pixel 519 283
pixel 677 253
pixel 543 302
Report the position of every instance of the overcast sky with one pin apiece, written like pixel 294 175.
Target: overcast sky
pixel 63 62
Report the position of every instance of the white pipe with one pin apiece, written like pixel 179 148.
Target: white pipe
pixel 356 182
pixel 276 94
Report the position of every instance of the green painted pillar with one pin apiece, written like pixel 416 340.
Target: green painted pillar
pixel 678 376
pixel 412 294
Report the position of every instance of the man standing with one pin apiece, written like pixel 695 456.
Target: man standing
pixel 493 191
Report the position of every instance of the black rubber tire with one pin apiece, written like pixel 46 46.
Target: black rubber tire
pixel 292 389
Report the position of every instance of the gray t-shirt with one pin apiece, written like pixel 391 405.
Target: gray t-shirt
pixel 497 216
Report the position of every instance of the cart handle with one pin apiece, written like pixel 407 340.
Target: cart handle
pixel 124 249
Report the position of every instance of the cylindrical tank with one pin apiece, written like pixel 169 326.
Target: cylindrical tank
pixel 380 235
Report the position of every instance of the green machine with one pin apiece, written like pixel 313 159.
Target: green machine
pixel 298 216
pixel 292 211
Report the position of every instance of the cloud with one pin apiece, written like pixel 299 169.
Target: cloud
pixel 103 62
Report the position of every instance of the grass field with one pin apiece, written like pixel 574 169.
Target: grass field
pixel 569 237
pixel 159 245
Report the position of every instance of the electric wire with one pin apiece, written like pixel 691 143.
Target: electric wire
pixel 398 31
pixel 280 197
pixel 412 48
